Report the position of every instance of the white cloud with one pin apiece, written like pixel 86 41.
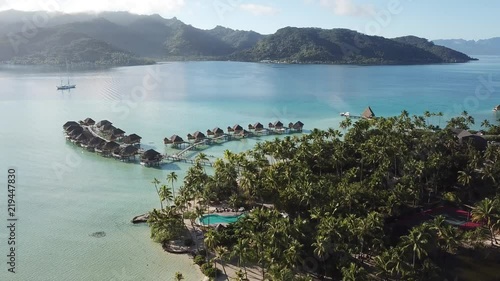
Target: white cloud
pixel 259 10
pixel 70 6
pixel 348 7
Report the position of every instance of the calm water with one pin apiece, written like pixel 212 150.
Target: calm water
pixel 65 194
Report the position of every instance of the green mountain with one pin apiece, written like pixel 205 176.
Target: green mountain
pixel 343 46
pixel 121 38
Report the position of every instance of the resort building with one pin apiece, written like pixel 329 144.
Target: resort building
pixel 151 158
pixel 368 113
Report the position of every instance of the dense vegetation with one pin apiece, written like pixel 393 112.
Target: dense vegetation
pixel 343 46
pixel 118 37
pixel 342 200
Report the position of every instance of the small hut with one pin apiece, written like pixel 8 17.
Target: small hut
pixel 210 133
pixel 110 146
pixel 175 140
pixel 151 158
pixel 198 136
pixel 290 125
pixel 237 129
pixel 190 137
pixel 128 152
pixel 278 125
pixel 298 126
pixel 103 123
pixel 108 128
pixel 74 131
pixel 69 124
pixel 88 121
pixel 368 113
pixel 229 129
pixel 250 127
pixel 119 133
pixel 270 125
pixel 132 139
pixel 244 133
pixel 218 132
pixel 258 126
pixel 95 142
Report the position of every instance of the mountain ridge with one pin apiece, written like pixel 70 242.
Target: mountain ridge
pixel 122 38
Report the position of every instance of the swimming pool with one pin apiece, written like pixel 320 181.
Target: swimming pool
pixel 216 219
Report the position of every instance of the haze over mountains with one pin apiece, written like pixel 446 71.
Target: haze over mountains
pixel 121 38
pixel 472 47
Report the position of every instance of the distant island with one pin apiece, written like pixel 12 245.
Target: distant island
pixel 489 47
pixel 122 39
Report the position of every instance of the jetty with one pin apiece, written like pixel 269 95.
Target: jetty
pixel 367 114
pixel 109 141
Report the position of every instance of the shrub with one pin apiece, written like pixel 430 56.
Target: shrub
pixel 209 270
pixel 199 260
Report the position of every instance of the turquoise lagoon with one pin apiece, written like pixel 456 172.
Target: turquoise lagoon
pixel 65 194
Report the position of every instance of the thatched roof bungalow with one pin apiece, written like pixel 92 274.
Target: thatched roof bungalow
pixel 118 132
pixel 218 132
pixel 210 133
pixel 229 129
pixel 69 124
pixel 108 128
pixel 298 126
pixel 278 125
pixel 250 127
pixel 258 126
pixel 129 150
pixel 190 137
pixel 103 123
pixel 270 125
pixel 175 139
pixel 237 129
pixel 88 121
pixel 132 139
pixel 368 113
pixel 74 131
pixel 110 146
pixel 199 136
pixel 96 142
pixel 151 158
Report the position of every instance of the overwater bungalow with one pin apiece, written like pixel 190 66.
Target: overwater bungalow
pixel 88 121
pixel 132 139
pixel 237 129
pixel 69 124
pixel 270 125
pixel 258 127
pixel 218 132
pixel 151 158
pixel 109 147
pixel 74 131
pixel 199 136
pixel 229 129
pixel 250 127
pixel 210 133
pixel 95 143
pixel 125 153
pixel 102 123
pixel 175 140
pixel 368 113
pixel 278 125
pixel 190 137
pixel 108 128
pixel 298 126
pixel 119 133
pixel 244 133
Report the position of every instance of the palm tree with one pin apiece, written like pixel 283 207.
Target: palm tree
pixel 221 254
pixel 210 243
pixel 156 182
pixel 353 273
pixel 417 240
pixel 172 177
pixel 487 212
pixel 165 194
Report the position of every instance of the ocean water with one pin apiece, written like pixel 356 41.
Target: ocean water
pixel 65 194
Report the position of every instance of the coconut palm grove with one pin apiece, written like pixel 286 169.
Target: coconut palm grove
pixel 396 198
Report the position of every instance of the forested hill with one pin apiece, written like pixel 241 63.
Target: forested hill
pixel 489 47
pixel 343 46
pixel 121 38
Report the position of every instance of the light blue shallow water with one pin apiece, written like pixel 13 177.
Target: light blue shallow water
pixel 65 194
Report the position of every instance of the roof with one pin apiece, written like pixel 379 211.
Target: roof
pixel 69 124
pixel 237 128
pixel 258 125
pixel 368 113
pixel 190 137
pixel 96 141
pixel 218 131
pixel 278 124
pixel 477 141
pixel 151 155
pixel 176 139
pixel 108 127
pixel 103 122
pixel 298 125
pixel 118 131
pixel 111 145
pixel 463 133
pixel 129 150
pixel 89 121
pixel 199 135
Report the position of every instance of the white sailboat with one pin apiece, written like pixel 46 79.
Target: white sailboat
pixel 67 86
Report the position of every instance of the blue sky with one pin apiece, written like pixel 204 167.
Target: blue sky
pixel 389 18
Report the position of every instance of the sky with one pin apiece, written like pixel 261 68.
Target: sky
pixel 432 19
